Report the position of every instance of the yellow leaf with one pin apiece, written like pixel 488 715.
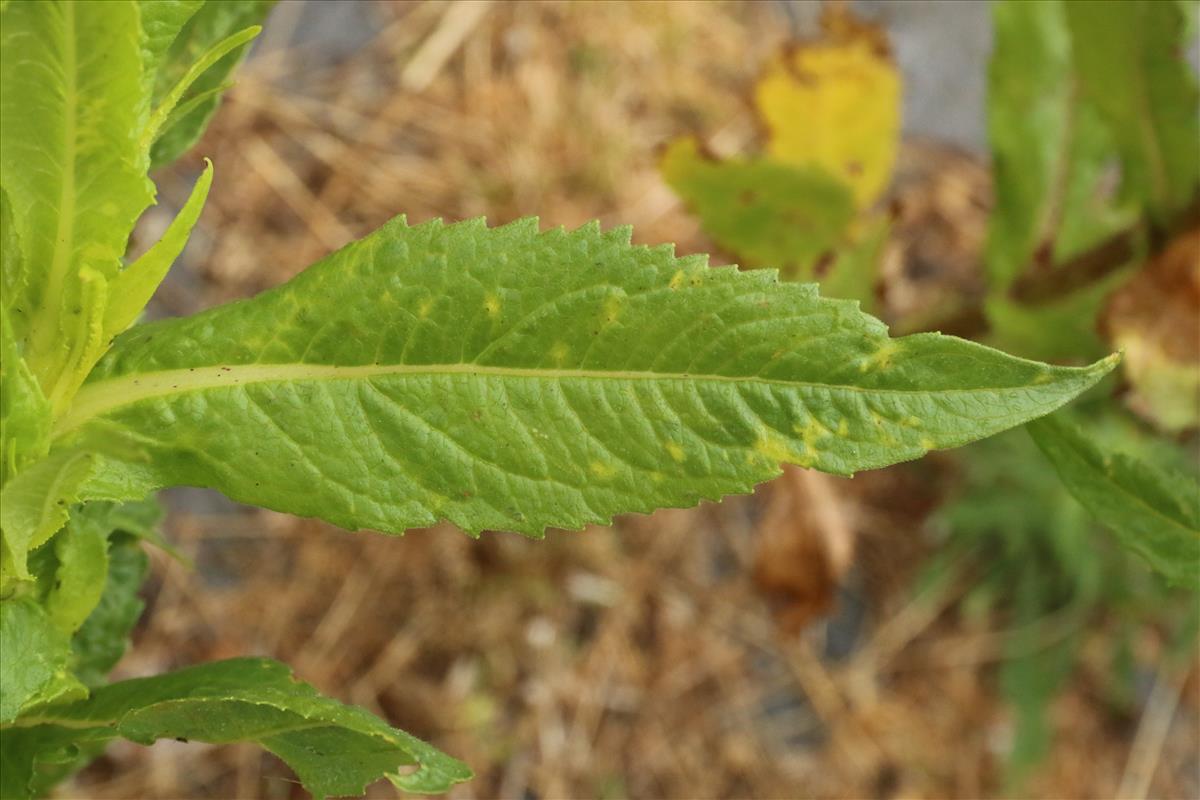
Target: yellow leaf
pixel 835 103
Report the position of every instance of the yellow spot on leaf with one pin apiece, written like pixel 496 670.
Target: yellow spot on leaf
pixel 602 471
pixel 677 279
pixel 835 103
pixel 881 358
pixel 612 308
pixel 676 452
pixel 491 304
pixel 776 449
pixel 559 353
pixel 424 308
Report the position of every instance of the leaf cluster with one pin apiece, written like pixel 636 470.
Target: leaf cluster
pixel 498 378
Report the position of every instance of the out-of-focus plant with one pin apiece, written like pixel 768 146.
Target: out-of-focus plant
pixel 808 204
pixel 1094 243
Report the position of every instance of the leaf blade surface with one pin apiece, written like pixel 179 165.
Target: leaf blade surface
pixel 510 379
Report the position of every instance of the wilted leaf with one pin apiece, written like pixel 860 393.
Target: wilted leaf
pixel 1155 319
pixel 805 545
pixel 834 103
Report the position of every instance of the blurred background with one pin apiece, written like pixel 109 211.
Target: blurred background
pixel 954 627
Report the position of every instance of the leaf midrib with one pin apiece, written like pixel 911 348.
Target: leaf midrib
pixel 64 237
pixel 102 397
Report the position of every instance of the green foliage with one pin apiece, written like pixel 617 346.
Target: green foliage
pixel 201 30
pixel 1044 567
pixel 1154 512
pixel 768 212
pixel 505 378
pixel 1075 89
pixel 498 378
pixel 1093 125
pixel 1132 68
pixel 37 655
pixel 70 118
pixel 336 750
pixel 1050 147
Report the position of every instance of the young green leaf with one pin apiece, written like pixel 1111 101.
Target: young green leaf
pixel 1153 512
pixel 161 22
pixel 135 285
pixel 81 553
pixel 214 22
pixel 509 379
pixel 336 750
pixel 36 504
pixel 70 116
pixel 1130 58
pixel 207 60
pixel 24 412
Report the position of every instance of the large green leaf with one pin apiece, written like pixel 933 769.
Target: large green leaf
pixel 71 113
pixel 336 750
pixel 502 378
pixel 1051 150
pixel 214 22
pixel 1153 512
pixel 1132 65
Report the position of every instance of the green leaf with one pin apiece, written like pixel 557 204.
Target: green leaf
pixel 13 276
pixel 135 285
pixel 70 116
pixel 206 61
pixel 24 412
pixel 1153 512
pixel 35 668
pixel 336 750
pixel 1130 58
pixel 81 550
pixel 1051 150
pixel 101 641
pixel 36 504
pixel 506 379
pixel 33 760
pixel 768 213
pixel 161 23
pixel 209 26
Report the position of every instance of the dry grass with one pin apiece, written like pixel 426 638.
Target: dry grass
pixel 637 661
